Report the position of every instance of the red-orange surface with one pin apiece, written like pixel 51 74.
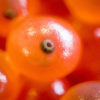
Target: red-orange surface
pixel 47 46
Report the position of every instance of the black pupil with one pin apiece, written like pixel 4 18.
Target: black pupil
pixel 49 44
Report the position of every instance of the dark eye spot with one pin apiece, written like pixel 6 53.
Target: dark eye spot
pixel 10 14
pixel 47 46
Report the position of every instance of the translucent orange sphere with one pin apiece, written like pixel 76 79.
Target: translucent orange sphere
pixel 44 48
pixel 9 80
pixel 85 10
pixel 84 91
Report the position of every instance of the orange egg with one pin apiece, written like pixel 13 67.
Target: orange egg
pixel 84 91
pixel 44 48
pixel 87 11
pixel 9 80
pixel 9 10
